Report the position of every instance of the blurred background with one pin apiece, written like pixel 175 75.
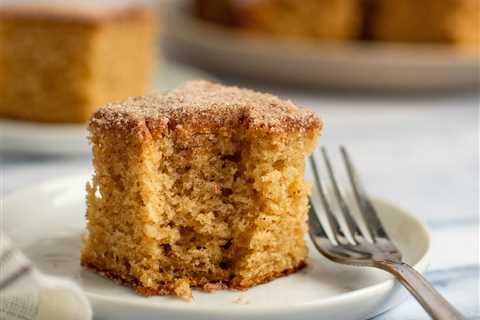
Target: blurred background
pixel 396 81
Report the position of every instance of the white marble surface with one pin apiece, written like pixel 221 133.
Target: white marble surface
pixel 421 152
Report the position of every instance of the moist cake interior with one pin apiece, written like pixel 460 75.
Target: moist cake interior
pixel 211 198
pixel 198 202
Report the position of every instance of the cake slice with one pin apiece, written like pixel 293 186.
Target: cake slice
pixel 199 187
pixel 435 21
pixel 61 60
pixel 326 19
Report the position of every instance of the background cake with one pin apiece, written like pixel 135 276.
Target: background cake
pixel 427 21
pixel 59 62
pixel 327 19
pixel 199 187
pixel 440 21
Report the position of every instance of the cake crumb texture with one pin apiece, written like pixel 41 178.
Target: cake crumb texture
pixel 202 187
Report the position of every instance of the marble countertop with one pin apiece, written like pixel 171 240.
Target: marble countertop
pixel 420 152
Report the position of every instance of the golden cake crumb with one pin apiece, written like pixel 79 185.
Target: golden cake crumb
pixel 182 289
pixel 199 187
pixel 211 287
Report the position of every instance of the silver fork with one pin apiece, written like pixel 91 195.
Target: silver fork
pixel 372 248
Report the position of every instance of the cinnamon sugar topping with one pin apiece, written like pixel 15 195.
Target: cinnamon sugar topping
pixel 202 104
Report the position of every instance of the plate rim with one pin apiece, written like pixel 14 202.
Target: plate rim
pixel 348 297
pixel 42 138
pixel 397 68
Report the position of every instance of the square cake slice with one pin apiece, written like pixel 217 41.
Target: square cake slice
pixel 199 187
pixel 447 21
pixel 326 20
pixel 60 61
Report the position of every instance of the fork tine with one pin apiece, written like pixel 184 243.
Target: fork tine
pixel 332 220
pixel 314 223
pixel 352 226
pixel 367 209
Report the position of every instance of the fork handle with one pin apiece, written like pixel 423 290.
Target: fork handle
pixel 430 299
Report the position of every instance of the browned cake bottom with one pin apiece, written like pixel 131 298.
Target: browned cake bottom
pixel 176 290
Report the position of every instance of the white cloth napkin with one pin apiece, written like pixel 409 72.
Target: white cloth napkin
pixel 36 296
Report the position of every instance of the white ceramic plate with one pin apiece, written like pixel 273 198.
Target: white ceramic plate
pixel 41 138
pixel 308 63
pixel 70 139
pixel 47 220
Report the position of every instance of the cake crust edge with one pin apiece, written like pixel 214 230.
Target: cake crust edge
pixel 171 289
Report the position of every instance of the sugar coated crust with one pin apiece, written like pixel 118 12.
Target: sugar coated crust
pixel 202 104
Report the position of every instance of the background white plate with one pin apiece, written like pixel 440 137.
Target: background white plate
pixel 46 221
pixel 71 139
pixel 43 138
pixel 372 66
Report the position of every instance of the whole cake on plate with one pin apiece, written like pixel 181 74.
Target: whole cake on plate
pixel 201 187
